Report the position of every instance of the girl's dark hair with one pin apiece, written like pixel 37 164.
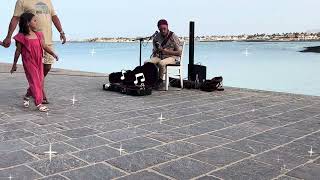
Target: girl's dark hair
pixel 25 18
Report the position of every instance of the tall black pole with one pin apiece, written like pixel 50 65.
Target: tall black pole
pixel 140 51
pixel 191 49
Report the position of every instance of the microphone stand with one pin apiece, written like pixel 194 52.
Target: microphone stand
pixel 141 39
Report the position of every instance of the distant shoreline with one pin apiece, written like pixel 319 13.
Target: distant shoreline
pixel 276 37
pixel 262 41
pixel 196 41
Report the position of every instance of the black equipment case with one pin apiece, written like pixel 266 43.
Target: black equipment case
pixel 138 82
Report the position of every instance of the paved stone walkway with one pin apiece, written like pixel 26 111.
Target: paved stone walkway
pixel 236 134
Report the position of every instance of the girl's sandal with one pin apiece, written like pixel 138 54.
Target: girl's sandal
pixel 26 102
pixel 45 101
pixel 42 108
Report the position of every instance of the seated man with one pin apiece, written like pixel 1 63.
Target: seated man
pixel 166 49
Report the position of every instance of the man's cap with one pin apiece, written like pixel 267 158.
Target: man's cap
pixel 162 22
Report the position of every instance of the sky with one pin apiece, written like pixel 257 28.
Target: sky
pixel 133 18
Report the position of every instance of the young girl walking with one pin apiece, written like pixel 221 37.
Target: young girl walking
pixel 30 45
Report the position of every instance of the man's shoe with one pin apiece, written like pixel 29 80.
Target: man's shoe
pixel 160 86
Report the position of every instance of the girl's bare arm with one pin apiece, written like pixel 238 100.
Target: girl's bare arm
pixel 17 53
pixel 16 57
pixel 48 50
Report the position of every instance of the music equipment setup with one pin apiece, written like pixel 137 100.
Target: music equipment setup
pixel 141 80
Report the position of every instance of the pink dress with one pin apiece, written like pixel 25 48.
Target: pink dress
pixel 32 55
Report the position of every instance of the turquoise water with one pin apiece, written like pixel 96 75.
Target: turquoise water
pixel 267 66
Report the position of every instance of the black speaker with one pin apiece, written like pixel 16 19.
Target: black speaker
pixel 197 71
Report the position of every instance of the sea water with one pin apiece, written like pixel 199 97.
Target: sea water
pixel 275 66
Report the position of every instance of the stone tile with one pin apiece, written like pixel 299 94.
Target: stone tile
pixel 311 110
pixel 187 112
pixel 156 127
pixel 190 119
pixel 290 132
pixel 136 144
pixel 11 135
pixel 124 134
pixel 54 177
pixel 23 117
pixel 301 150
pixel 79 123
pixel 114 110
pixel 140 160
pixel 310 141
pixel 255 127
pixel 208 141
pixel 167 136
pixel 150 110
pixel 82 114
pixel 14 159
pixel 53 128
pixel 16 126
pixel 286 178
pixel 52 119
pixel 6 109
pixel 272 122
pixel 111 126
pixel 234 133
pixel 183 121
pixel 184 168
pixel 180 148
pixel 88 142
pixel 19 172
pixel 192 130
pixel 241 118
pixel 98 154
pixel 270 138
pixel 213 125
pixel 77 133
pixel 290 108
pixel 2 122
pixel 208 178
pixel 203 115
pixel 309 125
pixel 142 120
pixel 288 118
pixel 144 175
pixel 315 135
pixel 95 172
pixel 58 164
pixel 296 115
pixel 45 139
pixel 248 170
pixel 60 148
pixel 281 159
pixel 220 156
pixel 13 145
pixel 249 146
pixel 118 116
pixel 308 172
pixel 54 112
